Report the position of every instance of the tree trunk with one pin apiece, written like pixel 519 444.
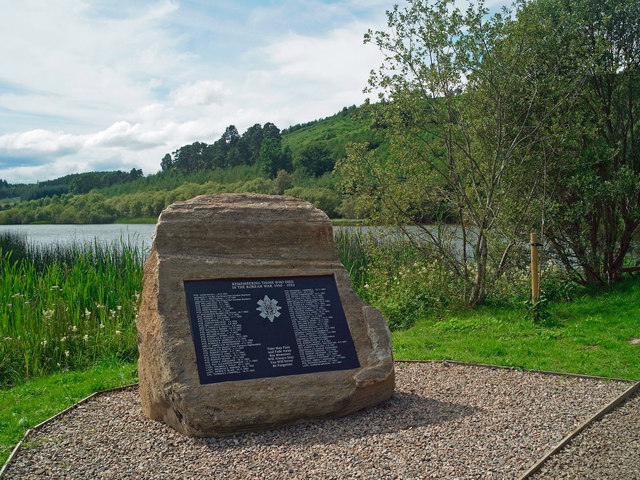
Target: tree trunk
pixel 478 288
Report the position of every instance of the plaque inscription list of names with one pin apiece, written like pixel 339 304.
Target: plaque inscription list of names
pixel 268 327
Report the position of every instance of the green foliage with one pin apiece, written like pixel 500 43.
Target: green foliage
pixel 538 309
pixel 316 159
pixel 353 253
pixel 65 307
pixel 587 336
pixel 333 133
pixel 394 277
pixel 589 148
pixel 458 132
pixel 323 198
pixel 273 157
pixel 233 163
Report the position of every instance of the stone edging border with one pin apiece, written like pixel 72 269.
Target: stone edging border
pixel 615 403
pixel 34 429
pixel 602 412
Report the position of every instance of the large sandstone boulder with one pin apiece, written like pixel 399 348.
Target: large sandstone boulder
pixel 247 236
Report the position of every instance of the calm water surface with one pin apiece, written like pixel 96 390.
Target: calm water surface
pixel 136 234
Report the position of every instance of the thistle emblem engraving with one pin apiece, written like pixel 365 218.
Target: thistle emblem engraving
pixel 268 308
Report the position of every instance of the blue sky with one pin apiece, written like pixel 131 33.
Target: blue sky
pixel 114 84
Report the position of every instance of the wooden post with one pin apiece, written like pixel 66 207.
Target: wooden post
pixel 535 271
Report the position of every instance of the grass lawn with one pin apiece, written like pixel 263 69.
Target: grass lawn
pixel 29 404
pixel 588 336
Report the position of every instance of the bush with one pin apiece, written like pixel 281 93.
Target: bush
pixel 323 198
pixel 395 277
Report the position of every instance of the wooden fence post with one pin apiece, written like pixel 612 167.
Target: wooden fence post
pixel 535 270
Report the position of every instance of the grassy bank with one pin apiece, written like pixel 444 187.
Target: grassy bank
pixel 136 220
pixel 31 403
pixel 65 307
pixel 589 334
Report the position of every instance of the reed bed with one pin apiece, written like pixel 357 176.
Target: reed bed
pixel 65 306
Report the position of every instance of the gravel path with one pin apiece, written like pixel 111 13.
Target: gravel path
pixel 607 449
pixel 445 421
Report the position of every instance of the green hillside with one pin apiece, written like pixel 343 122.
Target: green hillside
pixel 296 161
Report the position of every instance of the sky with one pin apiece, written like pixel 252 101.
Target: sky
pixel 94 85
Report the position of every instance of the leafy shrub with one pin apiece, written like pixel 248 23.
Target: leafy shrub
pixel 323 198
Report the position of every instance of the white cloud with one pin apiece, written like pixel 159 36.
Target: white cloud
pixel 38 142
pixel 203 92
pixel 124 86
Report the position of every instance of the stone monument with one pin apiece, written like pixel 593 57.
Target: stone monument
pixel 248 320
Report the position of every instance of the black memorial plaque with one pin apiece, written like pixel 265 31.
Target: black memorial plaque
pixel 268 327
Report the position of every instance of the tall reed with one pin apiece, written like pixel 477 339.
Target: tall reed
pixel 352 251
pixel 65 306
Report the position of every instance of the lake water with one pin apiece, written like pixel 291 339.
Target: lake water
pixel 136 234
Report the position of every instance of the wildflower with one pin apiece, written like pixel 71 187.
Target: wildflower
pixel 118 332
pixel 112 313
pixel 9 305
pixel 58 364
pixel 74 329
pixel 8 339
pixel 66 353
pixel 102 325
pixel 119 307
pixel 48 314
pixel 137 296
pixel 16 295
pixel 366 285
pixel 87 313
pixel 63 339
pixel 99 306
pixel 86 338
pixel 54 287
pixel 43 343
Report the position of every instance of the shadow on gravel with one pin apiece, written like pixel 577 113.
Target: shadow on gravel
pixel 404 411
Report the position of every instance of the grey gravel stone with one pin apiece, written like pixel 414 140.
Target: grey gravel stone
pixel 445 421
pixel 607 449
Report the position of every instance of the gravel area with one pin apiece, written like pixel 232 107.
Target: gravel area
pixel 445 421
pixel 607 449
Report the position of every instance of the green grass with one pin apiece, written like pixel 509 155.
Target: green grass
pixel 65 307
pixel 349 222
pixel 29 404
pixel 587 336
pixel 136 220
